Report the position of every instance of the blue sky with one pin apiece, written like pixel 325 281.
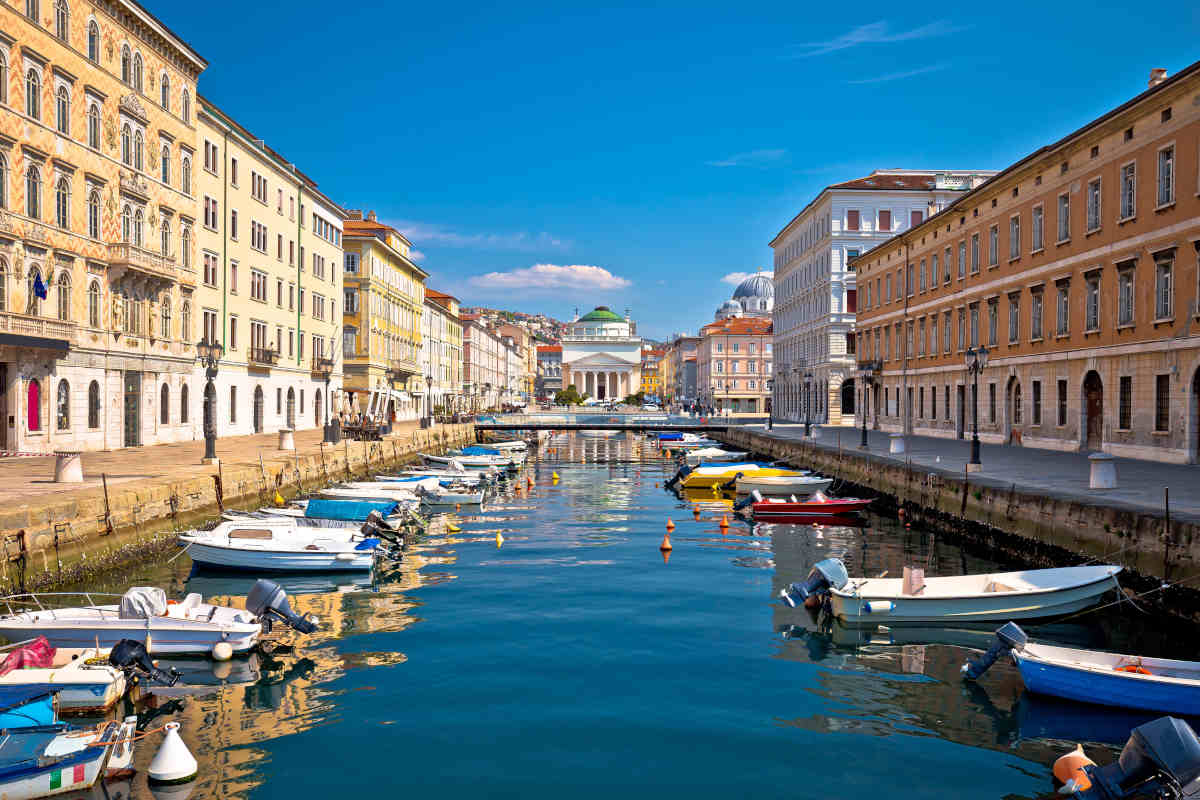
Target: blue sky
pixel 548 156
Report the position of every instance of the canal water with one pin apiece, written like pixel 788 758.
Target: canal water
pixel 576 660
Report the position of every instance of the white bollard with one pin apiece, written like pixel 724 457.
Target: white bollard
pixel 287 439
pixel 1103 471
pixel 68 466
pixel 897 445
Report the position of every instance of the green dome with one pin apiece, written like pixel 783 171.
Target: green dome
pixel 601 314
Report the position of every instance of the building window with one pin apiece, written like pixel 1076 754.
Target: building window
pixel 185 176
pixel 1014 237
pixel 94 405
pixel 62 204
pixel 962 329
pixel 165 165
pixel 974 324
pixel 33 94
pixel 1128 190
pixel 1166 175
pixel 64 111
pixel 1092 304
pixel 1062 402
pixel 64 296
pixel 185 322
pixel 993 245
pixel 137 71
pixel 1016 399
pixel 93 294
pixel 885 220
pixel 126 145
pixel 233 404
pixel 33 192
pixel 233 332
pixel 126 63
pixel 922 272
pixel 93 214
pixel 209 320
pixel 1037 402
pixel 1125 403
pixel 93 43
pixel 992 403
pixel 62 417
pixel 138 219
pixel 62 16
pixel 1014 318
pixel 946 332
pixel 1035 316
pixel 186 106
pixel 1093 205
pixel 164 315
pixel 946 266
pixel 1064 217
pixel 1125 297
pixel 962 260
pixel 33 405
pixel 974 253
pixel 164 405
pixel 993 320
pixel 1163 290
pixel 185 246
pixel 1064 322
pixel 138 150
pixel 852 223
pixel 1162 402
pixel 164 92
pixel 210 269
pixel 183 405
pixel 1038 229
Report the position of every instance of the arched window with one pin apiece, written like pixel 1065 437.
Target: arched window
pixel 62 17
pixel 166 164
pixel 64 296
pixel 64 111
pixel 126 145
pixel 94 405
pixel 33 94
pixel 93 125
pixel 93 212
pixel 33 192
pixel 185 176
pixel 138 221
pixel 62 419
pixel 138 150
pixel 165 235
pixel 186 106
pixel 126 63
pixel 185 246
pixel 183 405
pixel 185 325
pixel 94 304
pixel 164 92
pixel 33 304
pixel 137 71
pixel 127 224
pixel 164 405
pixel 3 285
pixel 164 315
pixel 33 405
pixel 62 203
pixel 3 181
pixel 94 41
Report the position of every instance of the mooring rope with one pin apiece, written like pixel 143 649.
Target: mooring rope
pixel 1122 597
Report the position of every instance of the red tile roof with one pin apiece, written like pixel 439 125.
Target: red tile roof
pixel 922 183
pixel 549 348
pixel 738 326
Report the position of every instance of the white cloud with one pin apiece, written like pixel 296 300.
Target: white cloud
pixel 734 278
pixel 552 276
pixel 896 76
pixel 441 235
pixel 416 255
pixel 874 33
pixel 753 158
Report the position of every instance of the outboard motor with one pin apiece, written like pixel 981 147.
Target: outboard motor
pixel 268 601
pixel 1161 760
pixel 130 656
pixel 684 471
pixel 826 573
pixel 731 484
pixel 755 496
pixel 376 527
pixel 1008 638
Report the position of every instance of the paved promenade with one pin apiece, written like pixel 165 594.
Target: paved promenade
pixel 1045 472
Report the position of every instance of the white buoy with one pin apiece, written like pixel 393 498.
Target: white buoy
pixel 173 763
pixel 222 651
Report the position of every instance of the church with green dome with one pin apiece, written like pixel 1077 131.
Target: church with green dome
pixel 602 354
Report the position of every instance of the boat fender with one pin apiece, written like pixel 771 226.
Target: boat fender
pixel 1159 758
pixel 826 573
pixel 1008 638
pixel 222 651
pixel 1069 771
pixel 878 606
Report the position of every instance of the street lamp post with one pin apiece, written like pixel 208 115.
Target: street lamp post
pixel 771 403
pixel 428 400
pixel 324 368
pixel 867 371
pixel 976 361
pixel 209 354
pixel 808 404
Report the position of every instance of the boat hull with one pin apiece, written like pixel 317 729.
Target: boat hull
pixel 1000 607
pixel 77 696
pixel 782 486
pixel 157 633
pixel 1117 689
pixel 289 561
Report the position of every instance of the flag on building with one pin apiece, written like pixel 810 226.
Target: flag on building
pixel 39 288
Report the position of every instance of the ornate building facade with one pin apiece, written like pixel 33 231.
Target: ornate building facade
pixel 98 254
pixel 602 355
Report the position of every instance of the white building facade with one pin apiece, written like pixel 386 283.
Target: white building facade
pixel 485 366
pixel 815 292
pixel 602 355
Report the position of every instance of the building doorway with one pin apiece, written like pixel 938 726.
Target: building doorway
pixel 1012 399
pixel 258 409
pixel 1093 410
pixel 3 406
pixel 848 396
pixel 291 408
pixel 133 409
pixel 317 408
pixel 960 424
pixel 1195 414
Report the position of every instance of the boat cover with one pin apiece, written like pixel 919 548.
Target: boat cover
pixel 349 510
pixel 670 437
pixel 476 450
pixel 12 697
pixel 143 602
pixel 38 653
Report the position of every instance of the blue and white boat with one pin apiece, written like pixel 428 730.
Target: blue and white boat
pixel 277 543
pixel 26 707
pixel 82 677
pixel 49 760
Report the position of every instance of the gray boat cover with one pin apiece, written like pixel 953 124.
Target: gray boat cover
pixel 143 602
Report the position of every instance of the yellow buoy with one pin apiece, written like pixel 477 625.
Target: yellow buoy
pixel 666 543
pixel 554 475
pixel 450 526
pixel 279 499
pixel 499 539
pixel 670 524
pixel 1069 770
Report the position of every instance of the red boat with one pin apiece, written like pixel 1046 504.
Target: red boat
pixel 819 505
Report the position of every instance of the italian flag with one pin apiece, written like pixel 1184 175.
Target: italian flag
pixel 67 777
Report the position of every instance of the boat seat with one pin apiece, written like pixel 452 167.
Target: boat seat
pixel 250 533
pixel 190 601
pixel 996 586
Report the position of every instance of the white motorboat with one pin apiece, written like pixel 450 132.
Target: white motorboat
pixel 380 491
pixel 469 478
pixel 472 462
pixel 713 455
pixel 1002 596
pixel 144 615
pixel 49 760
pixel 799 486
pixel 515 444
pixel 281 544
pixel 447 497
pixel 81 676
pixel 410 485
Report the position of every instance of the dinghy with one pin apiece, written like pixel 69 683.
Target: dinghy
pixel 469 478
pixel 801 484
pixel 50 760
pixel 144 614
pixel 82 677
pixel 1094 676
pixel 820 505
pixel 713 455
pixel 471 462
pixel 1025 594
pixel 280 544
pixel 446 497
pixel 705 476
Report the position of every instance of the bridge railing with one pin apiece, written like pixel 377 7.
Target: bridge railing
pixel 641 419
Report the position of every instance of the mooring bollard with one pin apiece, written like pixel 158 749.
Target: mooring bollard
pixel 287 439
pixel 897 445
pixel 68 466
pixel 1103 471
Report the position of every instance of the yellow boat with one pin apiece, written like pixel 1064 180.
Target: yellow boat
pixel 708 475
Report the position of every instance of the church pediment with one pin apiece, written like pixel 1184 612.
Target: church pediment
pixel 598 360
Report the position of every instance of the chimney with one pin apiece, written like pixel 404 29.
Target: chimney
pixel 1157 76
pixel 354 213
pixel 371 216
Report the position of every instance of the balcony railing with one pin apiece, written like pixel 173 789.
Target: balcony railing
pixel 134 257
pixel 25 325
pixel 264 356
pixel 402 366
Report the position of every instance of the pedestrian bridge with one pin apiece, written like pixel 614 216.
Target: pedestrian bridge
pixel 605 422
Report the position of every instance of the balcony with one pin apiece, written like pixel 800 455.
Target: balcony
pixel 265 357
pixel 321 367
pixel 50 334
pixel 123 256
pixel 402 368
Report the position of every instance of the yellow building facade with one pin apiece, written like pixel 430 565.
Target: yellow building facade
pixel 270 283
pixel 442 352
pixel 97 213
pixel 383 309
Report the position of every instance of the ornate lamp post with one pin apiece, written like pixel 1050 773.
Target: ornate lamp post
pixel 977 358
pixel 209 354
pixel 770 404
pixel 866 370
pixel 808 404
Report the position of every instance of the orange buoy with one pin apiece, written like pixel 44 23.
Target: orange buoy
pixel 724 520
pixel 670 524
pixel 1136 669
pixel 1069 771
pixel 666 554
pixel 458 506
pixel 696 512
pixel 666 543
pixel 901 513
pixel 529 482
